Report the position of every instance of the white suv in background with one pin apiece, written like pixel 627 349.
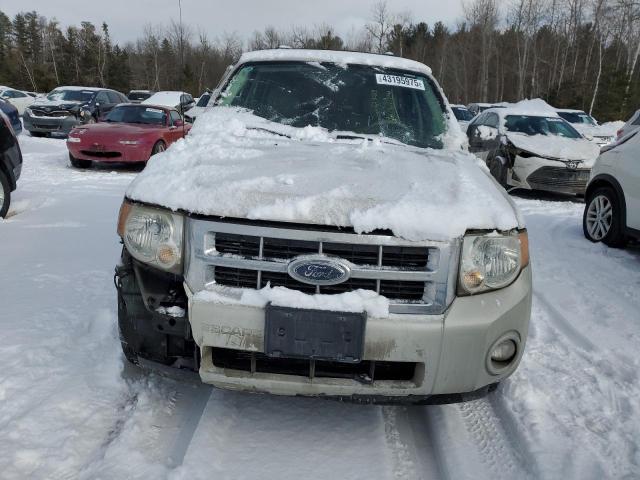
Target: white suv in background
pixel 612 210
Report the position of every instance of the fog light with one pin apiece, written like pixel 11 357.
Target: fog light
pixel 167 255
pixel 504 351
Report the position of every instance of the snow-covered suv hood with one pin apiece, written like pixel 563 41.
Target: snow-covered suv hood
pixel 553 146
pixel 227 168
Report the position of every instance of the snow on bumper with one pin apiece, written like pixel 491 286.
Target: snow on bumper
pixel 450 351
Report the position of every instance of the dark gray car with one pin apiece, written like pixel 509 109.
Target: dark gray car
pixel 66 107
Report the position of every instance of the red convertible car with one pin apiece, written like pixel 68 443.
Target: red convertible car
pixel 130 133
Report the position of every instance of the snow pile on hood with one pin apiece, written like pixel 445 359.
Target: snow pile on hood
pixel 610 129
pixel 234 164
pixel 554 146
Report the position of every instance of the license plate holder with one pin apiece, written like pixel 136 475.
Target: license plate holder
pixel 314 334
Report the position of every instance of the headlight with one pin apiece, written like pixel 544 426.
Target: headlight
pixel 492 261
pixel 128 142
pixel 73 140
pixel 28 111
pixel 152 235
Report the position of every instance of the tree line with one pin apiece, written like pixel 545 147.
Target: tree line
pixel 573 53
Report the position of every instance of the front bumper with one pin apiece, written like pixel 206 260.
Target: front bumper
pixel 84 150
pixel 535 173
pixel 449 351
pixel 53 125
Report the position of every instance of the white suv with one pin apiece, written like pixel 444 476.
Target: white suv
pixel 321 231
pixel 612 211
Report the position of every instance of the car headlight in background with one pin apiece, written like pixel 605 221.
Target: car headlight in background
pixel 492 261
pixel 152 235
pixel 71 139
pixel 129 142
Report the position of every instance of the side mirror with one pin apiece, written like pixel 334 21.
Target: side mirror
pixel 487 133
pixel 588 137
pixel 178 123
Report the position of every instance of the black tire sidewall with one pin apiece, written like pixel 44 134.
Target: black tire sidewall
pixel 4 185
pixel 498 169
pixel 615 237
pixel 154 150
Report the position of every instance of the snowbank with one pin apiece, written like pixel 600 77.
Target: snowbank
pixel 234 164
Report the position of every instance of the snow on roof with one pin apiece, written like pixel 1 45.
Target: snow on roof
pixel 73 87
pixel 229 166
pixel 333 56
pixel 166 98
pixel 535 107
pixel 570 110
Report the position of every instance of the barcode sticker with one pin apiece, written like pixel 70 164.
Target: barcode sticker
pixel 399 81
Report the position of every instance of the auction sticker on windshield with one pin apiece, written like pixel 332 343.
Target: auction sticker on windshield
pixel 399 81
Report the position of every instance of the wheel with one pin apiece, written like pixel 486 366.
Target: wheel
pixel 38 134
pixel 159 147
pixel 498 169
pixel 77 163
pixel 602 220
pixel 5 195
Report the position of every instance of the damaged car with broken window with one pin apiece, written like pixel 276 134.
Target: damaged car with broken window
pixel 323 232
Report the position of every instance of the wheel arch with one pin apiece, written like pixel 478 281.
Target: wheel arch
pixel 606 180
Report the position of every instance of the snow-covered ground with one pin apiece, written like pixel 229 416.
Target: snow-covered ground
pixel 70 407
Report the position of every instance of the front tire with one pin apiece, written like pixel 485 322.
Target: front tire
pixel 5 195
pixel 159 147
pixel 602 220
pixel 498 168
pixel 77 163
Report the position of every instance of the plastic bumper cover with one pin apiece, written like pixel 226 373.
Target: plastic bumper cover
pixel 450 350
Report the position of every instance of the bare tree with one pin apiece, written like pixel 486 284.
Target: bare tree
pixel 380 26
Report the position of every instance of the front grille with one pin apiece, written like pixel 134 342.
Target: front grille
pixel 407 258
pixel 560 179
pixel 55 113
pixel 365 371
pixel 414 276
pixel 96 154
pixel 392 289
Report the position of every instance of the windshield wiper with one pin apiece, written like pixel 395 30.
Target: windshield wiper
pixel 371 138
pixel 273 132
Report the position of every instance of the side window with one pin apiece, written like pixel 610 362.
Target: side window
pixel 637 119
pixel 175 117
pixel 102 98
pixel 114 97
pixel 492 120
pixel 481 120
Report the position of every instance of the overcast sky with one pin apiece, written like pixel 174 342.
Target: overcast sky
pixel 126 18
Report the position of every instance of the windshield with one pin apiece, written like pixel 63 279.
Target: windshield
pixel 137 114
pixel 71 95
pixel 577 117
pixel 203 100
pixel 462 114
pixel 138 95
pixel 359 99
pixel 531 125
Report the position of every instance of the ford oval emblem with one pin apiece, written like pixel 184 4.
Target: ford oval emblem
pixel 319 270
